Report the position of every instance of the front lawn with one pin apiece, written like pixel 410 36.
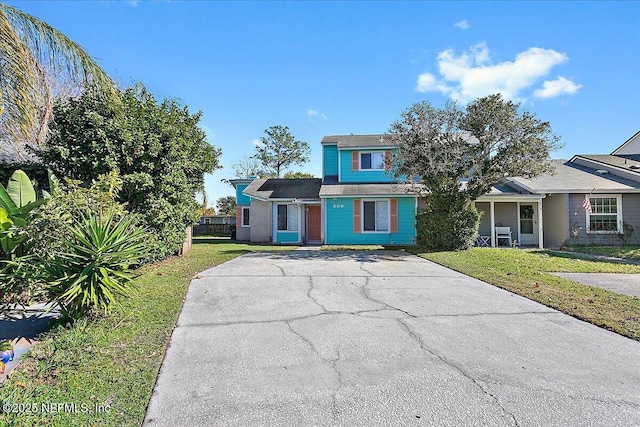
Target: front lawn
pixel 105 370
pixel 626 252
pixel 526 273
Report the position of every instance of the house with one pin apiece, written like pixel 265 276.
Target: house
pixel 217 219
pixel 359 201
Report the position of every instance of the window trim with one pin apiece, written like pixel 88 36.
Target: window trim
pixel 588 215
pixel 242 224
pixel 360 153
pixel 362 230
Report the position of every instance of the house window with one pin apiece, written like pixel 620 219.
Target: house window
pixel 288 217
pixel 375 216
pixel 245 216
pixel 372 161
pixel 606 214
pixel 207 220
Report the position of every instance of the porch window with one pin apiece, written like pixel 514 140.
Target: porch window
pixel 372 161
pixel 288 217
pixel 606 214
pixel 375 215
pixel 245 216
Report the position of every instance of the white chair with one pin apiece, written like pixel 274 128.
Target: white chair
pixel 503 233
pixel 483 241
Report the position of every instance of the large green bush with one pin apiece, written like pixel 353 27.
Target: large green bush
pixel 447 223
pixel 157 148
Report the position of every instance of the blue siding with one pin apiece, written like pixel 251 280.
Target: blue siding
pixel 339 225
pixel 241 199
pixel 287 237
pixel 348 175
pixel 330 160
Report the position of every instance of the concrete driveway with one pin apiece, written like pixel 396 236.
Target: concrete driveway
pixel 380 338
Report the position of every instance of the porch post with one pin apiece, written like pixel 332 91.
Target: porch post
pixel 540 236
pixel 518 216
pixel 493 224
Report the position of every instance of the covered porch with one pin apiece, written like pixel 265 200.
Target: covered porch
pixel 510 219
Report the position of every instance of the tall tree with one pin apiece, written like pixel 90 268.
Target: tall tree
pixel 226 205
pixel 291 175
pixel 460 154
pixel 31 54
pixel 246 167
pixel 279 149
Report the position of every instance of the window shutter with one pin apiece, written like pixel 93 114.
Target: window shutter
pixel 387 161
pixel 394 215
pixel 355 160
pixel 238 215
pixel 356 215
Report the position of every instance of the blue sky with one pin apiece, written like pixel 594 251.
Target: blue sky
pixel 326 68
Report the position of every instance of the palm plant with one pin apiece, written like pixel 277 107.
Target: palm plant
pixel 31 54
pixel 95 268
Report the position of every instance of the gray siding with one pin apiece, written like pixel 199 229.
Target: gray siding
pixel 555 219
pixel 630 217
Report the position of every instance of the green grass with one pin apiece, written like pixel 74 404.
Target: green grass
pixel 526 273
pixel 626 252
pixel 113 361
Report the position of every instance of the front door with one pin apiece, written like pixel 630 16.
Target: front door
pixel 313 223
pixel 528 224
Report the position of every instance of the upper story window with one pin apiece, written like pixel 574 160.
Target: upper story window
pixel 606 214
pixel 372 161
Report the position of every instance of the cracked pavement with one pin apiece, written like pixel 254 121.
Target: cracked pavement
pixel 309 338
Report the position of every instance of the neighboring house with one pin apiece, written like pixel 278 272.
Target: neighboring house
pixel 358 201
pixel 217 219
pixel 550 210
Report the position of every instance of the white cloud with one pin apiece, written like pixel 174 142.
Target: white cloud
pixel 472 73
pixel 256 141
pixel 314 113
pixel 464 25
pixel 557 87
pixel 132 3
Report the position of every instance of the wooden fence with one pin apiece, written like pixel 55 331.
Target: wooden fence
pixel 212 230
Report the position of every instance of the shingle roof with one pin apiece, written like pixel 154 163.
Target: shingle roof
pixel 358 141
pixel 367 190
pixel 630 146
pixel 574 178
pixel 298 188
pixel 630 162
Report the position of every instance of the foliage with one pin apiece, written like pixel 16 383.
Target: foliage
pixel 94 268
pixel 158 149
pixel 226 205
pixel 279 150
pixel 248 166
pixel 114 360
pixel 38 174
pixel 460 154
pixel 292 175
pixel 47 233
pixel 33 53
pixel 16 203
pixel 447 223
